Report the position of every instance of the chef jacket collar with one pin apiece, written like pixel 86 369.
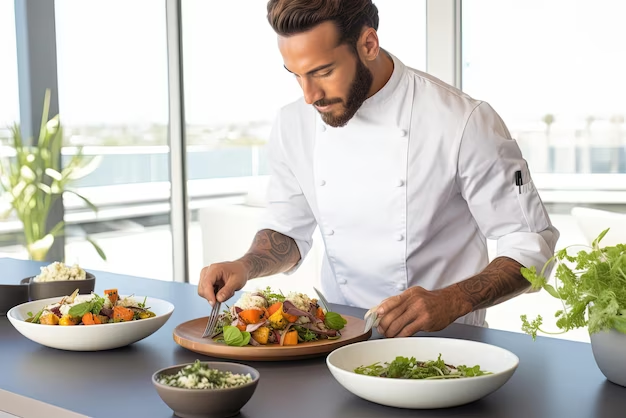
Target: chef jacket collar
pixel 389 89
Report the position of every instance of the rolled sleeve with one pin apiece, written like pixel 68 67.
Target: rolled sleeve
pixel 517 220
pixel 288 210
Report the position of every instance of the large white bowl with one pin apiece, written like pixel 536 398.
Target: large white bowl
pixel 89 338
pixel 422 394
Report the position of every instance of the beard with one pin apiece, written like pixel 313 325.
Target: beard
pixel 357 94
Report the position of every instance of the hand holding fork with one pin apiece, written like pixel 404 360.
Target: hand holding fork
pixel 218 283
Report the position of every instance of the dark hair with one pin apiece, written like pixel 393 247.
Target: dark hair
pixel 289 17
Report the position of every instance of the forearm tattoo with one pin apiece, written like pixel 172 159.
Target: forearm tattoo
pixel 271 253
pixel 500 281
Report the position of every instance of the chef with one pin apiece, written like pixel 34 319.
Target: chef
pixel 405 176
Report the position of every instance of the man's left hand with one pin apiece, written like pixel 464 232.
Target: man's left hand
pixel 417 309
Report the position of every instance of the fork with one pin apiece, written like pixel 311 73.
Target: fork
pixel 325 304
pixel 214 316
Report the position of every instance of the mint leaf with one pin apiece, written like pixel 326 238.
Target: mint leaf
pixel 234 337
pixel 77 311
pixel 333 320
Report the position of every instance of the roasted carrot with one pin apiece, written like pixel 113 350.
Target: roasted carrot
pixel 124 314
pixel 276 306
pixel 290 318
pixel 320 313
pixel 241 326
pixel 291 338
pixel 112 295
pixel 252 316
pixel 90 319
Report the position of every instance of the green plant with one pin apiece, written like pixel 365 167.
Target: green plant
pixel 34 179
pixel 592 289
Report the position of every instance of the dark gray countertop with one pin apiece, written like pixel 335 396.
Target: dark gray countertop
pixel 556 378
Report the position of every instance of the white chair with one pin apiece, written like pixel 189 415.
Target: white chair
pixel 593 221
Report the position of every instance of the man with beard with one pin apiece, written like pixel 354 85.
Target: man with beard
pixel 405 176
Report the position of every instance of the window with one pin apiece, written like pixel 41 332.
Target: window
pixel 555 73
pixel 9 114
pixel 402 30
pixel 113 101
pixel 9 105
pixel 554 70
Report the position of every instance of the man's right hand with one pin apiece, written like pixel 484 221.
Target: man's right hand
pixel 228 277
pixel 271 253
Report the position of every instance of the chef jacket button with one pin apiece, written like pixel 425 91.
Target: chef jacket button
pixel 322 127
pixel 342 281
pixel 322 182
pixel 400 183
pixel 330 232
pixel 400 286
pixel 402 132
pixel 399 237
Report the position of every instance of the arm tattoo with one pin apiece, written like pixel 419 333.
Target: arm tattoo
pixel 271 253
pixel 500 281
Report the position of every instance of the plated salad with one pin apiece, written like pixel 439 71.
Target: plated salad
pixel 264 317
pixel 92 309
pixel 410 368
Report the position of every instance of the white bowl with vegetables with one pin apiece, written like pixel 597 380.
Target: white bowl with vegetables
pixel 90 322
pixel 422 372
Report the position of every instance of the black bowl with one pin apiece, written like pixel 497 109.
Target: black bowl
pixel 12 295
pixel 45 290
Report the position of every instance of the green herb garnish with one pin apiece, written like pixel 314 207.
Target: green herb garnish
pixel 201 376
pixel 272 297
pixel 305 334
pixel 593 285
pixel 225 319
pixel 233 336
pixel 333 320
pixel 96 304
pixel 77 311
pixel 34 319
pixel 410 368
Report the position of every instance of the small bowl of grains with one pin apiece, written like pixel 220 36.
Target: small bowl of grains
pixel 57 280
pixel 206 389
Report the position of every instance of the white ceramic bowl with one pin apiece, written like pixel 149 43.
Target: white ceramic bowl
pixel 89 338
pixel 422 394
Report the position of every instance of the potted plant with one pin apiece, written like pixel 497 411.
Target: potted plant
pixel 592 288
pixel 34 178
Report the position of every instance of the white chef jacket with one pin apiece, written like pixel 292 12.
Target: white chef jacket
pixel 406 193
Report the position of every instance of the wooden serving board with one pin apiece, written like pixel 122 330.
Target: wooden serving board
pixel 189 336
